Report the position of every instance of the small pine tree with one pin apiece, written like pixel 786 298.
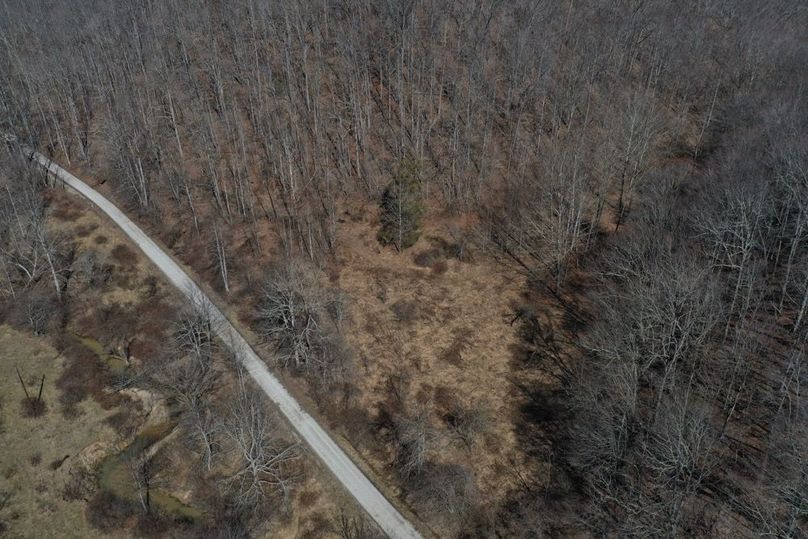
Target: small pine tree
pixel 402 208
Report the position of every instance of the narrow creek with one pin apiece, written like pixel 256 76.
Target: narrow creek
pixel 115 476
pixel 114 363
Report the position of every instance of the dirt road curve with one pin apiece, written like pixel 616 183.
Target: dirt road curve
pixel 351 477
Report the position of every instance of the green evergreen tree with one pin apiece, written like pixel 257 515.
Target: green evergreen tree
pixel 402 208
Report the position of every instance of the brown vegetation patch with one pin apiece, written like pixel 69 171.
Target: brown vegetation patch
pixel 84 376
pixel 64 211
pixel 454 353
pixel 85 230
pixel 405 310
pixel 308 498
pixel 440 267
pixel 32 407
pixel 124 255
pixel 427 258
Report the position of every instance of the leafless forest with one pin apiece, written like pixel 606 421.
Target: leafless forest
pixel 639 167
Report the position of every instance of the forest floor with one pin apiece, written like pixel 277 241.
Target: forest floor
pixel 440 327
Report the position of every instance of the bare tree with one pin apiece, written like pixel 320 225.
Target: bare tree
pixel 28 249
pixel 39 308
pixel 414 438
pixel 635 134
pixel 194 334
pixel 221 256
pixel 264 461
pixel 446 490
pixel 679 455
pixel 737 232
pixel 189 382
pixel 291 313
pixel 468 424
pixel 301 317
pixel 146 475
pixel 780 504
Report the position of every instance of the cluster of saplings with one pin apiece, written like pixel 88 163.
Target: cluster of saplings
pixel 242 461
pixel 641 162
